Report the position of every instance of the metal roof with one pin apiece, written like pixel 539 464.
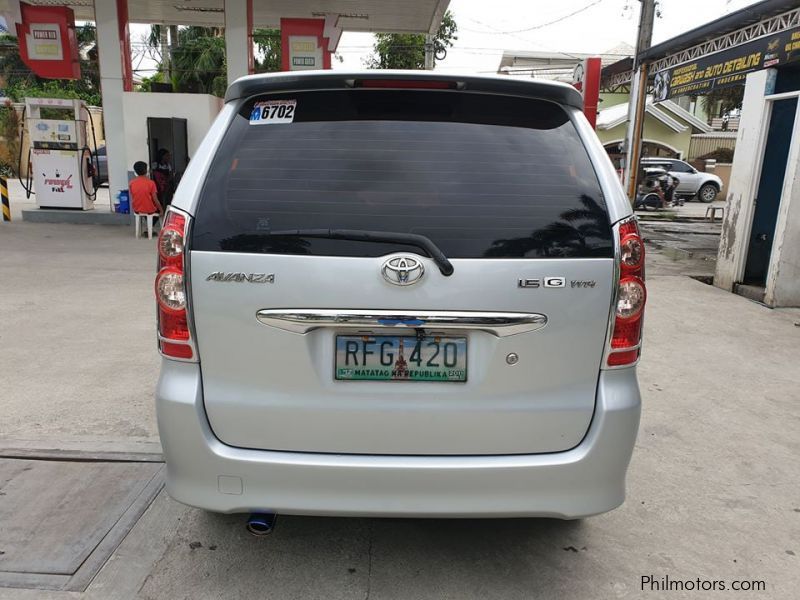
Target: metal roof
pixel 311 80
pixel 409 16
pixel 685 115
pixel 616 115
pixel 736 20
pixel 556 66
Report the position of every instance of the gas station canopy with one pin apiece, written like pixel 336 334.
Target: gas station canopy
pixel 409 16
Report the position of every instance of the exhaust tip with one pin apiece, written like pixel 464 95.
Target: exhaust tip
pixel 260 524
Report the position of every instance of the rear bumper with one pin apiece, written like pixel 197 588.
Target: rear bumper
pixel 204 472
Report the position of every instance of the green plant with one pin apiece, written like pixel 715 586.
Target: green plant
pixel 146 84
pixel 407 50
pixel 728 99
pixel 9 132
pixel 268 44
pixel 198 61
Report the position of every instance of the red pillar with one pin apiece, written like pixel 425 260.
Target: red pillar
pixel 125 45
pixel 591 90
pixel 586 80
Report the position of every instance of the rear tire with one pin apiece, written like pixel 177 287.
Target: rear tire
pixel 707 193
pixel 650 200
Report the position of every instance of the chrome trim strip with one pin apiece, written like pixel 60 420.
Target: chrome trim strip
pixel 161 338
pixel 501 324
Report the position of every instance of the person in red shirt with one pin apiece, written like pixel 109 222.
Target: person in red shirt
pixel 144 192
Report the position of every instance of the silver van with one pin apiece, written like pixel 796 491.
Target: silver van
pixel 399 294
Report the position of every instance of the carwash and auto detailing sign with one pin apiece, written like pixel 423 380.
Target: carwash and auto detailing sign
pixel 729 67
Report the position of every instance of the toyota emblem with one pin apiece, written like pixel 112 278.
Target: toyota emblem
pixel 402 270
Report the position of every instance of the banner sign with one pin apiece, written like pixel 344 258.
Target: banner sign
pixel 729 67
pixel 47 41
pixel 304 45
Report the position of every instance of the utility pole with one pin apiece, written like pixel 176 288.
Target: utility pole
pixel 638 98
pixel 429 62
pixel 163 44
pixel 646 19
pixel 173 43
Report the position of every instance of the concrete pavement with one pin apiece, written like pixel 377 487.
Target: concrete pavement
pixel 77 330
pixel 713 490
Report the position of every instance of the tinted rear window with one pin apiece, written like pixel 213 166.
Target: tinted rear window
pixel 483 176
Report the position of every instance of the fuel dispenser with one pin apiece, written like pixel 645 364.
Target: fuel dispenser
pixel 61 166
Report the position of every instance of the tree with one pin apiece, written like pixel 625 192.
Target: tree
pixel 268 44
pixel 198 58
pixel 728 99
pixel 198 61
pixel 153 47
pixel 407 50
pixel 194 62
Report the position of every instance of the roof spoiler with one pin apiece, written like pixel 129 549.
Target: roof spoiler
pixel 251 85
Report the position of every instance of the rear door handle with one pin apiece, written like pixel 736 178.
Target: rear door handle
pixel 501 324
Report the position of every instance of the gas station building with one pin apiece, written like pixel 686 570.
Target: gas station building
pixel 310 33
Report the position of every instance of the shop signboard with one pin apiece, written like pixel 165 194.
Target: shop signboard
pixel 729 67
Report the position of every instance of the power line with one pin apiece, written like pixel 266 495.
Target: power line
pixel 540 26
pixel 567 54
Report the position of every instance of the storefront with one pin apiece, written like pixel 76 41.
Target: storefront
pixel 758 46
pixel 759 253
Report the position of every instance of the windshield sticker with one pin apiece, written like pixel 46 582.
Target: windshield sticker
pixel 272 112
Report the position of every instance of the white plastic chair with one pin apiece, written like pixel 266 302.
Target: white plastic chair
pixel 150 220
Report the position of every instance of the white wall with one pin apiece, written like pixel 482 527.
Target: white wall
pixel 199 110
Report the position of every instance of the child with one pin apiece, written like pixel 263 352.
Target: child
pixel 143 191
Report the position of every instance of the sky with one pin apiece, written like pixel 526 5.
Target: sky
pixel 487 27
pixel 599 26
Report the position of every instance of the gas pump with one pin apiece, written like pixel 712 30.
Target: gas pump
pixel 62 165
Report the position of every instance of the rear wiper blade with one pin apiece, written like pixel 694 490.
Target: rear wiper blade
pixel 360 235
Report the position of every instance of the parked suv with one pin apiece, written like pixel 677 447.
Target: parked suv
pixel 399 293
pixel 691 182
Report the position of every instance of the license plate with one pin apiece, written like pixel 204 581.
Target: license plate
pixel 400 358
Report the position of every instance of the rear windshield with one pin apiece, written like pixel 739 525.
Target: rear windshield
pixel 482 176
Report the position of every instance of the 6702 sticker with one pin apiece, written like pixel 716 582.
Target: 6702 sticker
pixel 271 112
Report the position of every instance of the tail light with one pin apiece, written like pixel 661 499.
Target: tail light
pixel 174 337
pixel 626 337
